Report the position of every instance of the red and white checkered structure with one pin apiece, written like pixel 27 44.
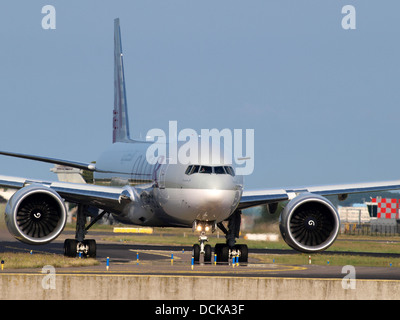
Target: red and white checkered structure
pixel 387 208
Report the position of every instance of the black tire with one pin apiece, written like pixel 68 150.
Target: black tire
pixel 196 253
pixel 224 254
pixel 244 253
pixel 91 243
pixel 70 247
pixel 217 249
pixel 207 253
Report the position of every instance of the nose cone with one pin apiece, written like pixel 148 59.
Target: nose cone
pixel 215 204
pixel 215 196
pixel 187 205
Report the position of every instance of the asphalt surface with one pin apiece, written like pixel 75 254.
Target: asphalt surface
pixel 156 260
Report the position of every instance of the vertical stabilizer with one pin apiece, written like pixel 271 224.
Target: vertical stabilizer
pixel 120 114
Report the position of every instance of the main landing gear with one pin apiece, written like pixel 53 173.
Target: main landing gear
pixel 80 246
pixel 223 251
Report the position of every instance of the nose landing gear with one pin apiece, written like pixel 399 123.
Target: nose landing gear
pixel 203 249
pixel 223 251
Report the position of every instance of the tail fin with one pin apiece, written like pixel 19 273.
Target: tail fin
pixel 120 114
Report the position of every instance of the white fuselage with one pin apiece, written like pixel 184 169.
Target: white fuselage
pixel 168 194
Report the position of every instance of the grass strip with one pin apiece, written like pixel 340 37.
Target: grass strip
pixel 14 260
pixel 327 260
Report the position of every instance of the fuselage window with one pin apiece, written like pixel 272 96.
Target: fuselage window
pixel 219 170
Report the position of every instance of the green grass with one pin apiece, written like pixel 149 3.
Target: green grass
pixel 14 260
pixel 2 221
pixel 328 260
pixel 373 244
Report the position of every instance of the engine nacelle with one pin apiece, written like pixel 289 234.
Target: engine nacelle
pixel 35 214
pixel 309 223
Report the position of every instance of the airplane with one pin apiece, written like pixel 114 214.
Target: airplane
pixel 199 195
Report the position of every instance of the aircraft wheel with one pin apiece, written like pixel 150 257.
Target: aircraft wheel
pixel 196 253
pixel 225 254
pixel 207 253
pixel 222 252
pixel 244 252
pixel 217 249
pixel 91 244
pixel 70 246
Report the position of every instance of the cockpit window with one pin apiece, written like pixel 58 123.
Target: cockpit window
pixel 188 170
pixel 205 169
pixel 208 169
pixel 219 170
pixel 192 169
pixel 195 169
pixel 230 171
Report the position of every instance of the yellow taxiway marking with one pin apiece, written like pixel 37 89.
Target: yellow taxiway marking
pixel 157 252
pixel 182 270
pixel 140 271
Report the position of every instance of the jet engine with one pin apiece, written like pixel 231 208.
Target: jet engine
pixel 309 223
pixel 35 214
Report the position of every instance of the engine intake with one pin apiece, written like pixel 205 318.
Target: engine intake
pixel 35 214
pixel 309 223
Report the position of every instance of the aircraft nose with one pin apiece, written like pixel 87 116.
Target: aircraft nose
pixel 215 204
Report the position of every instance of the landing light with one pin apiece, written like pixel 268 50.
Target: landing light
pixel 214 194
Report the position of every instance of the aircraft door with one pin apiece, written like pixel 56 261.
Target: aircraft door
pixel 163 173
pixel 159 173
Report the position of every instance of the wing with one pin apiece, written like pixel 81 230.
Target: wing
pixel 309 222
pixel 99 196
pixel 251 198
pixel 36 213
pixel 74 164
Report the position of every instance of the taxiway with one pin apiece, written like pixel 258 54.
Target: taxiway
pixel 156 260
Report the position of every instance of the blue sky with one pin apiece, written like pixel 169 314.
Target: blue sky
pixel 323 101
